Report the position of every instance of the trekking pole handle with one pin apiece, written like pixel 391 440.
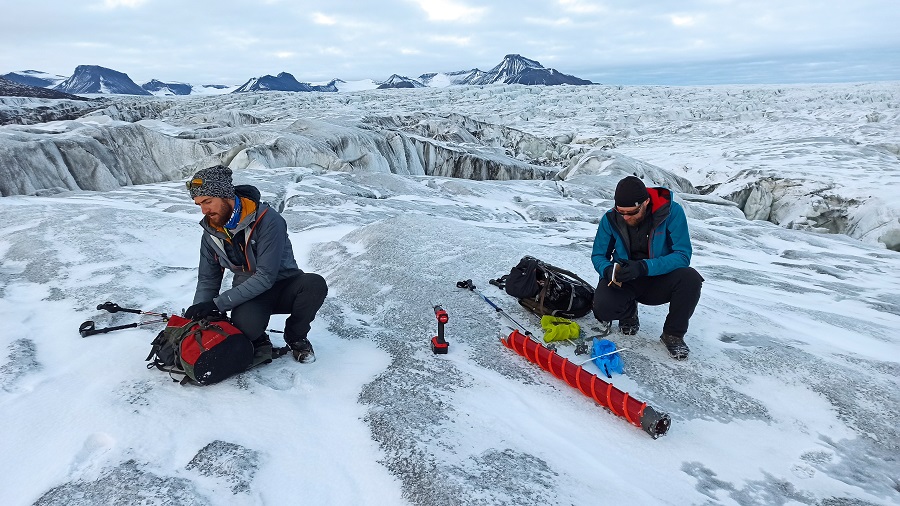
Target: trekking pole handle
pixel 89 330
pixel 469 285
pixel 112 307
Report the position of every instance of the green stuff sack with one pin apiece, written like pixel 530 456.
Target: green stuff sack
pixel 559 329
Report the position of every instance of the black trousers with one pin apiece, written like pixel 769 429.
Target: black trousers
pixel 300 296
pixel 679 288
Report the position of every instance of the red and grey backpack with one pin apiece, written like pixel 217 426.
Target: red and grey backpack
pixel 202 351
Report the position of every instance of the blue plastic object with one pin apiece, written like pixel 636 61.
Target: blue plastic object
pixel 608 362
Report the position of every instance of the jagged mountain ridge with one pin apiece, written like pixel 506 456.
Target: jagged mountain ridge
pixel 513 69
pixel 282 82
pixel 10 88
pixel 449 78
pixel 34 78
pixel 97 79
pixel 516 69
pixel 398 81
pixel 160 88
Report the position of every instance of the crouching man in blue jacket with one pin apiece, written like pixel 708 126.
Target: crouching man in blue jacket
pixel 642 252
pixel 249 238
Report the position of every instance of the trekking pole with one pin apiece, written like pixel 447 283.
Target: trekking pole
pixel 89 328
pixel 603 355
pixel 112 307
pixel 471 286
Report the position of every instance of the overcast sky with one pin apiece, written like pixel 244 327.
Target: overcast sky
pixel 612 41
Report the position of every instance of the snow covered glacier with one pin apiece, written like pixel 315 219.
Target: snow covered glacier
pixel 819 157
pixel 790 396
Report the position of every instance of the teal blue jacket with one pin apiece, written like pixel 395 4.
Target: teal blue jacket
pixel 670 243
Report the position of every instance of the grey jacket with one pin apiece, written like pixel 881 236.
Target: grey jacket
pixel 269 256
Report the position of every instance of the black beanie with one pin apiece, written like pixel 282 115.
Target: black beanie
pixel 213 182
pixel 630 192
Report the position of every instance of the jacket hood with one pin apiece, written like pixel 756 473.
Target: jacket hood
pixel 660 200
pixel 249 191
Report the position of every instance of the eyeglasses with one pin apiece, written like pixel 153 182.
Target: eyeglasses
pixel 631 213
pixel 193 183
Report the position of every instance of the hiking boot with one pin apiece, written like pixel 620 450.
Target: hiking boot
pixel 676 346
pixel 630 326
pixel 262 348
pixel 262 341
pixel 603 328
pixel 303 351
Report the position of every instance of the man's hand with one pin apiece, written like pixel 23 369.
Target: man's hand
pixel 201 310
pixel 631 271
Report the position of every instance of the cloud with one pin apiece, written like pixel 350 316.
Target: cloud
pixel 234 40
pixel 131 4
pixel 89 45
pixel 582 6
pixel 682 20
pixel 352 26
pixel 284 54
pixel 548 22
pixel 323 19
pixel 331 51
pixel 448 10
pixel 451 39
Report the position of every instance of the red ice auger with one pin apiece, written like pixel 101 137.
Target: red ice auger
pixel 637 413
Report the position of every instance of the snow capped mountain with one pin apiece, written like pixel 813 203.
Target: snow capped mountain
pixel 361 85
pixel 34 78
pixel 168 89
pixel 216 86
pixel 160 88
pixel 330 86
pixel 282 82
pixel 398 81
pixel 442 79
pixel 516 69
pixel 96 79
pixel 212 89
pixel 10 88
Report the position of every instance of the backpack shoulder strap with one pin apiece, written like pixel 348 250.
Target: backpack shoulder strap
pixel 499 282
pixel 567 273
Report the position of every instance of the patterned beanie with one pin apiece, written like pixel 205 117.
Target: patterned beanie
pixel 630 192
pixel 212 182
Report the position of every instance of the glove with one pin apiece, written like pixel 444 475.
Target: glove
pixel 631 271
pixel 201 310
